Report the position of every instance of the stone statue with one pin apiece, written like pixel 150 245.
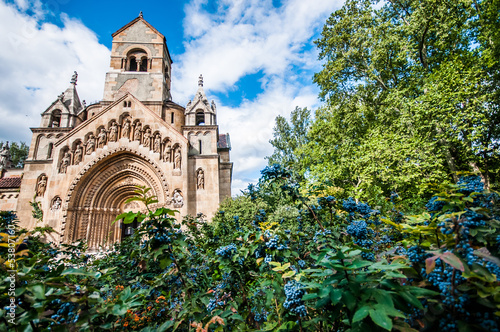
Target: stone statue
pixel 56 204
pixel 126 129
pixel 5 156
pixel 146 140
pixel 101 139
pixel 200 184
pixel 156 144
pixel 213 105
pixel 41 185
pixel 77 155
pixel 66 161
pixel 137 132
pixel 167 152
pixel 177 199
pixel 113 132
pixel 177 158
pixel 90 144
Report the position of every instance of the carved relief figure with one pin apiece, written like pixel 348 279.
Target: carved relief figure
pixel 41 185
pixel 56 203
pixel 137 132
pixel 177 158
pixel 200 179
pixel 156 144
pixel 101 139
pixel 177 199
pixel 147 135
pixel 78 154
pixel 167 152
pixel 126 129
pixel 66 161
pixel 113 132
pixel 90 144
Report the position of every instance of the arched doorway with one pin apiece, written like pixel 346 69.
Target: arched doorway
pixel 101 193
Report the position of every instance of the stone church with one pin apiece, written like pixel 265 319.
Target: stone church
pixel 85 161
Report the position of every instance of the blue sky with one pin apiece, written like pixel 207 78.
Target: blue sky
pixel 257 58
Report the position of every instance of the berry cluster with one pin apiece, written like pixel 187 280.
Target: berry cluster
pixel 294 292
pixel 227 251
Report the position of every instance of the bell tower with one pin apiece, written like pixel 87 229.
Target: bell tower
pixel 140 64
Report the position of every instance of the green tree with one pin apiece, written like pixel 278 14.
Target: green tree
pixel 412 96
pixel 289 137
pixel 18 153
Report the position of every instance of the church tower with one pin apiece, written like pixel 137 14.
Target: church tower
pixel 86 161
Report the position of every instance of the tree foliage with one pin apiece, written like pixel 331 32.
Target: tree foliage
pixel 412 96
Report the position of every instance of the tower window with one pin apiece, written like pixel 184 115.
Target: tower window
pixel 133 64
pixel 199 145
pixel 144 65
pixel 172 117
pixel 55 120
pixel 200 118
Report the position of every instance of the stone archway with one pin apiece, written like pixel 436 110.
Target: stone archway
pixel 99 195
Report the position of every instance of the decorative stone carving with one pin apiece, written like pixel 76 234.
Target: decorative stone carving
pixel 147 138
pixel 177 158
pixel 101 139
pixel 41 185
pixel 156 144
pixel 177 199
pixel 167 152
pixel 77 155
pixel 56 203
pixel 137 132
pixel 74 78
pixel 200 179
pixel 113 132
pixel 126 129
pixel 65 162
pixel 90 144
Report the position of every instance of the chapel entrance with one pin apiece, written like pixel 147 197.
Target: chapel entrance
pixel 101 195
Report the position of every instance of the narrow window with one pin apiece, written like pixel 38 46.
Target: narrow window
pixel 200 118
pixel 199 144
pixel 124 104
pixel 133 64
pixel 49 152
pixel 144 65
pixel 129 104
pixel 172 117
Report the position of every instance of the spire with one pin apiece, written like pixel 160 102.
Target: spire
pixel 200 80
pixel 74 78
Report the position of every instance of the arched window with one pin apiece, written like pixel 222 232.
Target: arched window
pixel 144 65
pixel 200 118
pixel 55 120
pixel 132 64
pixel 137 60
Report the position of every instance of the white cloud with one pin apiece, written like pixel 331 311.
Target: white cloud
pixel 38 60
pixel 243 37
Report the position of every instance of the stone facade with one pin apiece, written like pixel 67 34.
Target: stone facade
pixel 86 161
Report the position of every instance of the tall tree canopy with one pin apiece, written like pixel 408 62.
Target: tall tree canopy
pixel 412 91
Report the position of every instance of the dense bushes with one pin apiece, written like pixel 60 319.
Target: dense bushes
pixel 286 261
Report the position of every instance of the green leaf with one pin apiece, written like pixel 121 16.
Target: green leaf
pixel 360 314
pixel 38 291
pixel 381 319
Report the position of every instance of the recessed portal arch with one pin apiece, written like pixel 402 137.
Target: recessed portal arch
pixel 99 195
